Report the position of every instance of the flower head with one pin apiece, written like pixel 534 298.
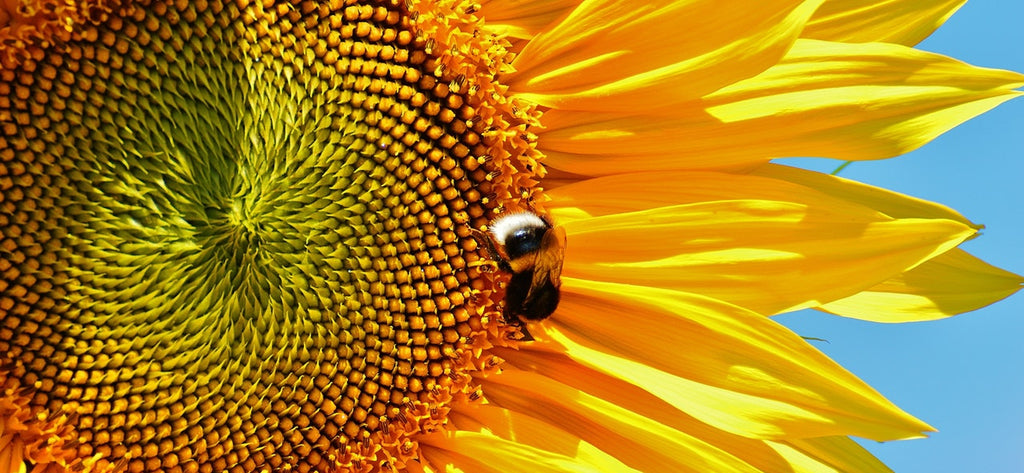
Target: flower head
pixel 245 236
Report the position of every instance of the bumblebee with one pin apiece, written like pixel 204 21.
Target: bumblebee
pixel 531 249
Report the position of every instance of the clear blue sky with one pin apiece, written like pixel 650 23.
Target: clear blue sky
pixel 965 375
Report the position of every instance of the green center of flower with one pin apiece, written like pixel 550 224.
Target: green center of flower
pixel 238 237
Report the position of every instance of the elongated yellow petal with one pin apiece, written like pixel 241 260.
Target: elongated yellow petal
pixel 770 256
pixel 545 360
pixel 727 367
pixel 521 19
pixel 829 455
pixel 497 440
pixel 949 284
pixel 859 101
pixel 647 190
pixel 597 144
pixel 862 101
pixel 613 55
pixel 904 22
pixel 638 441
pixel 601 144
pixel 890 203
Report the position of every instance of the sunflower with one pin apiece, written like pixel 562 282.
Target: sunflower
pixel 245 236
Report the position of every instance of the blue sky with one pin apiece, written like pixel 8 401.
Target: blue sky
pixel 964 375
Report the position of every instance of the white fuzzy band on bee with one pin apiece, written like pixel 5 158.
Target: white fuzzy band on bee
pixel 506 225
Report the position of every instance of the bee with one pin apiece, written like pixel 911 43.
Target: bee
pixel 531 249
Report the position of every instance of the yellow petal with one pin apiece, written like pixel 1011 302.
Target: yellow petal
pixel 784 248
pixel 620 56
pixel 890 203
pixel 829 455
pixel 637 441
pixel 852 101
pixel 891 21
pixel 521 19
pixel 600 144
pixel 541 360
pixel 949 284
pixel 861 101
pixel 730 368
pixel 496 440
pixel 647 190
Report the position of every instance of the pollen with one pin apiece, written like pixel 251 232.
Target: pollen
pixel 237 236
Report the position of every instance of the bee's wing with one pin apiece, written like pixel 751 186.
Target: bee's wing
pixel 484 238
pixel 548 266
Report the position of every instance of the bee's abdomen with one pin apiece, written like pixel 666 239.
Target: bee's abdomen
pixel 541 303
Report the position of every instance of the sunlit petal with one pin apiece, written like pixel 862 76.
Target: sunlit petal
pixel 856 102
pixel 523 19
pixel 730 368
pixel 772 253
pixel 949 284
pixel 760 454
pixel 890 203
pixel 824 99
pixel 490 439
pixel 610 55
pixel 828 455
pixel 904 22
pixel 638 441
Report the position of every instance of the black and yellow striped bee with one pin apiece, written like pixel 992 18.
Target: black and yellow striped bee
pixel 532 250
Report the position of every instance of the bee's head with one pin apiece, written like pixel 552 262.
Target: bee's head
pixel 520 233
